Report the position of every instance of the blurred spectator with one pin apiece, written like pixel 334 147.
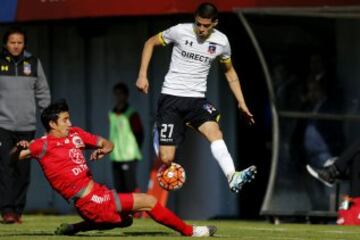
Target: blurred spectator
pixel 126 132
pixel 321 72
pixel 317 140
pixel 322 138
pixel 286 85
pixel 317 69
pixel 22 83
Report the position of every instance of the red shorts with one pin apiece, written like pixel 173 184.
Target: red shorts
pixel 103 205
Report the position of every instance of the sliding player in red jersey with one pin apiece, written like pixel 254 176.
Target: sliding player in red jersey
pixel 60 155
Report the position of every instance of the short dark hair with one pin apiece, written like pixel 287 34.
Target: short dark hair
pixel 11 31
pixel 51 113
pixel 207 10
pixel 122 87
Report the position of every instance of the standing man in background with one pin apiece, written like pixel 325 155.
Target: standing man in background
pixel 22 85
pixel 183 101
pixel 126 132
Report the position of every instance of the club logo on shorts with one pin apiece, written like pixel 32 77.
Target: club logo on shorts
pixel 212 48
pixel 210 108
pixel 78 142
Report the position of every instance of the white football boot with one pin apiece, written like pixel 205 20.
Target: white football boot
pixel 203 231
pixel 238 179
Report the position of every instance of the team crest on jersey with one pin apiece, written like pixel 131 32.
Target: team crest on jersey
pixel 78 142
pixel 76 156
pixel 210 108
pixel 27 68
pixel 212 48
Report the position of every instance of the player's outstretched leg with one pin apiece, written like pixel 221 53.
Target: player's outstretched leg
pixel 167 218
pixel 238 179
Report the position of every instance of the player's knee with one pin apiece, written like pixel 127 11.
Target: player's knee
pixel 215 135
pixel 218 134
pixel 126 221
pixel 166 157
pixel 211 131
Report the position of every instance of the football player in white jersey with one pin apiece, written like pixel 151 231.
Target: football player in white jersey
pixel 182 101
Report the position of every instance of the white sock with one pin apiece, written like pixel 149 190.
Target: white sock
pixel 223 157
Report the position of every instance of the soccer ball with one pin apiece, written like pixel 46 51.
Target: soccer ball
pixel 171 178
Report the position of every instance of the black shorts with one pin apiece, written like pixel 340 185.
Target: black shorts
pixel 175 113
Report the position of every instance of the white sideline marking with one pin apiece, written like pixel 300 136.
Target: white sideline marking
pixel 275 238
pixel 339 231
pixel 290 238
pixel 266 229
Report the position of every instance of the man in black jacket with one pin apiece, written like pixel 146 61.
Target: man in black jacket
pixel 22 85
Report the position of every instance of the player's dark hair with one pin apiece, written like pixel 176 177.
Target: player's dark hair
pixel 207 10
pixel 121 87
pixel 51 113
pixel 11 31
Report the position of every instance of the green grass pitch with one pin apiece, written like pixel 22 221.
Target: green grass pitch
pixel 42 227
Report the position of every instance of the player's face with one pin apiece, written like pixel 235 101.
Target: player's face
pixel 204 27
pixel 62 126
pixel 15 44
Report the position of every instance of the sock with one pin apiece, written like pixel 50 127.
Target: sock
pixel 223 157
pixel 165 217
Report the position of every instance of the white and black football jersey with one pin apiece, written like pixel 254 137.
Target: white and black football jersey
pixel 191 59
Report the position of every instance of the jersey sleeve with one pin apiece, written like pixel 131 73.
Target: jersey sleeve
pixel 37 148
pixel 170 35
pixel 89 139
pixel 226 54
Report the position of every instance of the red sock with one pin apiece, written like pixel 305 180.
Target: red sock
pixel 165 217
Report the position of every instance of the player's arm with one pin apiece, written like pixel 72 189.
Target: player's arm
pixel 104 147
pixel 20 151
pixel 142 82
pixel 234 83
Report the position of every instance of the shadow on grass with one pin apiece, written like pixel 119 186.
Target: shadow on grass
pixel 89 235
pixel 125 234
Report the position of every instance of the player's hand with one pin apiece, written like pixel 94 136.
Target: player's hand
pixel 23 144
pixel 19 147
pixel 97 154
pixel 142 84
pixel 249 118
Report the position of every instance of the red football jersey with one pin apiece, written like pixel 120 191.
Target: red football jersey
pixel 63 161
